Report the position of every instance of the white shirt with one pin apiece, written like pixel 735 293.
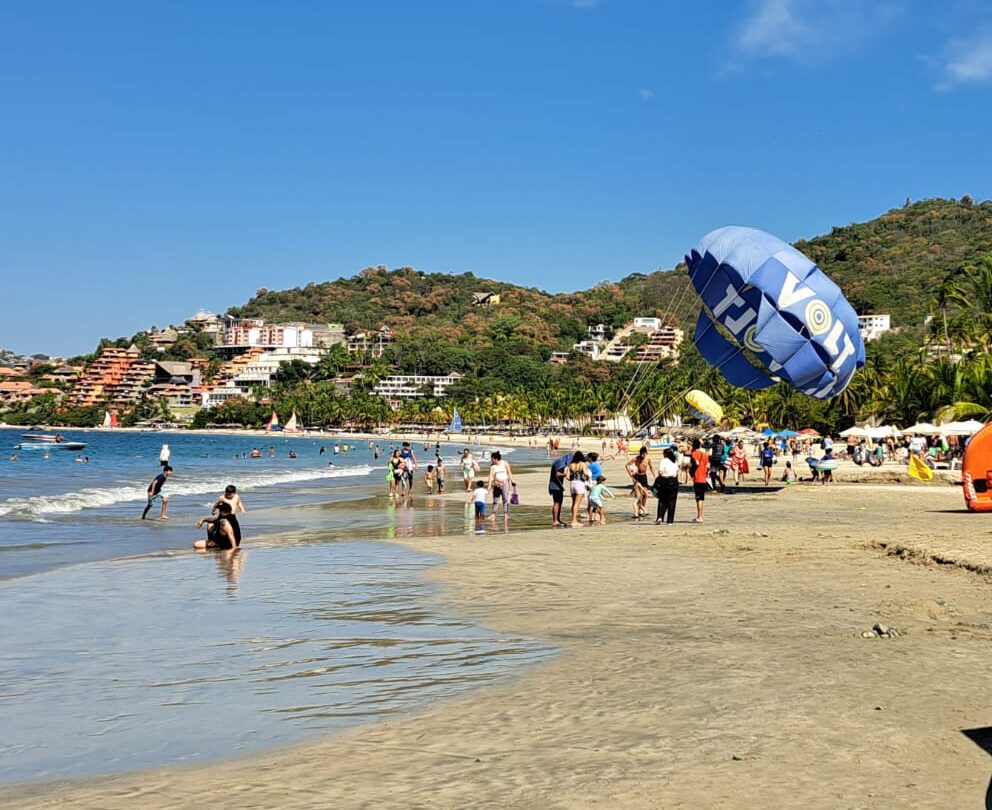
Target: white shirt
pixel 480 495
pixel 668 468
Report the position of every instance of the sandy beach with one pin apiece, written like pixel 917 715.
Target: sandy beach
pixel 709 665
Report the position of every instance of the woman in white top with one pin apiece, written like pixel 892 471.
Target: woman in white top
pixel 500 480
pixel 666 487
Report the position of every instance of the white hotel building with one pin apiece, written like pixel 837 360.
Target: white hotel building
pixel 873 326
pixel 398 387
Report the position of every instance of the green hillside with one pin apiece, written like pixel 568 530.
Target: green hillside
pixel 898 262
pixel 895 263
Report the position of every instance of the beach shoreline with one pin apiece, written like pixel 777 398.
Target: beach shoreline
pixel 699 665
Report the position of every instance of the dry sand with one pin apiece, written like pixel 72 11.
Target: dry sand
pixel 718 665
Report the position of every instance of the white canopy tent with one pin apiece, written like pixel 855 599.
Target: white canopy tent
pixel 923 429
pixel 856 432
pixel 961 428
pixel 883 431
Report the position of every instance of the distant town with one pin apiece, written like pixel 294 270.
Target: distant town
pixel 246 354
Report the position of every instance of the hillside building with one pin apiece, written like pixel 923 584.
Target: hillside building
pixel 250 333
pixel 873 327
pixel 590 348
pixel 662 344
pixel 97 384
pixel 15 393
pixel 398 387
pixel 370 344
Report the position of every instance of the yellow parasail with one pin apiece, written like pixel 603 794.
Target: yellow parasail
pixel 705 405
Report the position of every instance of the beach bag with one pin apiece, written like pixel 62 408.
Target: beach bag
pixel 514 498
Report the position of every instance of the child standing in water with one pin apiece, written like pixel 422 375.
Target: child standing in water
pixel 478 497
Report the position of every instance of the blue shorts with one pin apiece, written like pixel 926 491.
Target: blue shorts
pixel 480 509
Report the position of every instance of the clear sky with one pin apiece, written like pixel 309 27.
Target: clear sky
pixel 161 156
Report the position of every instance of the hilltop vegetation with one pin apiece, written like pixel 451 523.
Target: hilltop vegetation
pixel 899 262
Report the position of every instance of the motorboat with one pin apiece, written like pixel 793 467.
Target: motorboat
pixel 47 441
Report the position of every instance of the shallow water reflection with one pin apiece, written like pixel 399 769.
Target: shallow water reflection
pixel 114 666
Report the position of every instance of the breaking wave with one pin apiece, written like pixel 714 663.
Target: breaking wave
pixel 36 507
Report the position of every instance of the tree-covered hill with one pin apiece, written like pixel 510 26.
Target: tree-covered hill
pixel 896 263
pixel 439 307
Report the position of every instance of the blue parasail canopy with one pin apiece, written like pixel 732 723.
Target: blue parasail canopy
pixel 770 314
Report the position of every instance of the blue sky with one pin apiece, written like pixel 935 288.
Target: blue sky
pixel 159 157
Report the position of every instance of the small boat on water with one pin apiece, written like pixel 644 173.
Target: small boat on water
pixel 50 446
pixel 47 441
pixel 51 438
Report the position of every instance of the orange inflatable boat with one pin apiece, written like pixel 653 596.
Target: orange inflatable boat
pixel 976 471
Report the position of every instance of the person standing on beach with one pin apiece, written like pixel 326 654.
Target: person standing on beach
pixel 666 487
pixel 439 474
pixel 578 484
pixel 469 468
pixel 699 464
pixel 500 480
pixel 410 460
pixel 556 488
pixel 642 467
pixel 767 461
pixel 597 494
pixel 155 493
pixel 478 497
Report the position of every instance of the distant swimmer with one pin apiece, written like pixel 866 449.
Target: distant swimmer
pixel 256 453
pixel 337 449
pixel 292 454
pixel 155 493
pixel 223 532
pixel 322 450
pixel 164 455
pixel 14 457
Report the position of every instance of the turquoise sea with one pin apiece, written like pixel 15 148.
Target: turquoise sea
pixel 124 649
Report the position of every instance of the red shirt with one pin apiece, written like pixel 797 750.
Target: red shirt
pixel 702 466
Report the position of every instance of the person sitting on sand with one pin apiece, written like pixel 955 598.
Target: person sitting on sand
pixel 223 531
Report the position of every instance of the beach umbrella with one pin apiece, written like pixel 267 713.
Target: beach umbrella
pixel 923 429
pixel 787 434
pixel 809 432
pixel 768 432
pixel 961 428
pixel 883 431
pixel 856 432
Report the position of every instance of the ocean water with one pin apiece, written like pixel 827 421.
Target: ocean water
pixel 124 649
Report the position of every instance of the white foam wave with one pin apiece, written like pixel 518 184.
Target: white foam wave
pixel 37 506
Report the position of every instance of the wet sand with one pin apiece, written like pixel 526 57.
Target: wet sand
pixel 713 665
